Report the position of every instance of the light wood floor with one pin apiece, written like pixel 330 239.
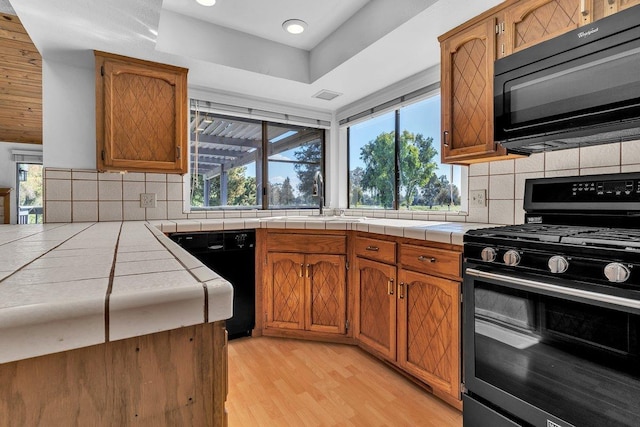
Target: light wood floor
pixel 283 382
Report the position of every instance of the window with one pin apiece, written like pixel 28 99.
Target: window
pixel 29 193
pixel 229 165
pixel 408 137
pixel 295 155
pixel 226 154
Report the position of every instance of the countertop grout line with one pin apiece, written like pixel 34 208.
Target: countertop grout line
pixel 46 252
pixel 35 233
pixel 110 286
pixel 204 285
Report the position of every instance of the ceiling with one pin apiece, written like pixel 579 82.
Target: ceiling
pixel 238 47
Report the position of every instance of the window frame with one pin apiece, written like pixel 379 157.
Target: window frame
pixel 262 192
pixel 396 106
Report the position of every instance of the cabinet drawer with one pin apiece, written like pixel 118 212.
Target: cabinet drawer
pixel 307 243
pixel 379 250
pixel 437 262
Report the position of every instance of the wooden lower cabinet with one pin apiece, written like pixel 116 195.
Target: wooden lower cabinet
pixel 409 314
pixel 306 292
pixel 429 331
pixel 402 299
pixel 374 323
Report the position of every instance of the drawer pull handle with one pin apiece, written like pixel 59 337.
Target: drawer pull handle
pixel 401 290
pixel 301 268
pixel 390 287
pixel 426 258
pixel 373 248
pixel 308 268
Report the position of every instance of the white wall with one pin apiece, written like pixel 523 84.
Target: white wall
pixel 69 119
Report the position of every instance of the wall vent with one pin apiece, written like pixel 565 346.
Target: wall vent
pixel 327 95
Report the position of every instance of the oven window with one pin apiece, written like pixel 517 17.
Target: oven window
pixel 574 360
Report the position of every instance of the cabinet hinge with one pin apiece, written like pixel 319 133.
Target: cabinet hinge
pixel 102 70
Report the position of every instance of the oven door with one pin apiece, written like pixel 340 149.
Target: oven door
pixel 546 354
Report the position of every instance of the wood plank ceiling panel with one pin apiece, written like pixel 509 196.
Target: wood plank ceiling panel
pixel 20 84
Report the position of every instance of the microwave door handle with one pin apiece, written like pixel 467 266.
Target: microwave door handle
pixel 536 285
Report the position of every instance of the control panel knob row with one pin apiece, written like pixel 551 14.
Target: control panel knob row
pixel 616 272
pixel 558 264
pixel 511 258
pixel 488 254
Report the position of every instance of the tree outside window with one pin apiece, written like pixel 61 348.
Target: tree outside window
pixel 423 182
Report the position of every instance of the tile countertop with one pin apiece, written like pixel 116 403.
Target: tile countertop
pixel 66 286
pixel 435 231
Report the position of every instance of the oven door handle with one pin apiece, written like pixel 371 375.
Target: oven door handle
pixel 534 284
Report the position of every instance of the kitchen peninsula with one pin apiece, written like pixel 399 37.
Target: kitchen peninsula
pixel 109 324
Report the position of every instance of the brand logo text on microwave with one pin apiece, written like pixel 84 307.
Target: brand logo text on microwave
pixel 587 33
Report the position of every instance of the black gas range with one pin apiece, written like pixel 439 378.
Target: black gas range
pixel 551 310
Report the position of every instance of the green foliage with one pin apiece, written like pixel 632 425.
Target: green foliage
pixel 310 158
pixel 378 176
pixel 416 163
pixel 31 189
pixel 241 190
pixel 374 185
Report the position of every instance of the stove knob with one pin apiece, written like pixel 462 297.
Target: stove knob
pixel 616 272
pixel 558 264
pixel 488 254
pixel 511 258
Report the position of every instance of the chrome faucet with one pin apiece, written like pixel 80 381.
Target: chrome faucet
pixel 318 189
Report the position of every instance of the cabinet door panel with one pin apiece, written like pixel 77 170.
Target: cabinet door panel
pixel 284 298
pixel 531 22
pixel 375 307
pixel 467 94
pixel 326 293
pixel 429 330
pixel 141 120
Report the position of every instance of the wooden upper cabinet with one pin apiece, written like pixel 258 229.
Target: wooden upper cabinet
pixel 602 8
pixel 141 115
pixel 527 23
pixel 467 93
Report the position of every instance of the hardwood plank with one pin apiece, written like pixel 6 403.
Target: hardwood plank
pixel 282 382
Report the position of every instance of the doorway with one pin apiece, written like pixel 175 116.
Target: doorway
pixel 29 196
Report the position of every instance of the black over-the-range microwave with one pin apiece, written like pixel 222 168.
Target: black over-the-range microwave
pixel 580 88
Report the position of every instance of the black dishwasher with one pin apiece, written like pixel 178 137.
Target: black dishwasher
pixel 231 254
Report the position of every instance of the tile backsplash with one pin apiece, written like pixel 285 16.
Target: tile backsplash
pixel 504 180
pixel 73 195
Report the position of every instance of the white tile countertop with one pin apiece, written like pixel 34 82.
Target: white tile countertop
pixel 66 286
pixel 435 231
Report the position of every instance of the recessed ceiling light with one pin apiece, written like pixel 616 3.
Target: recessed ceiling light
pixel 207 2
pixel 294 26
